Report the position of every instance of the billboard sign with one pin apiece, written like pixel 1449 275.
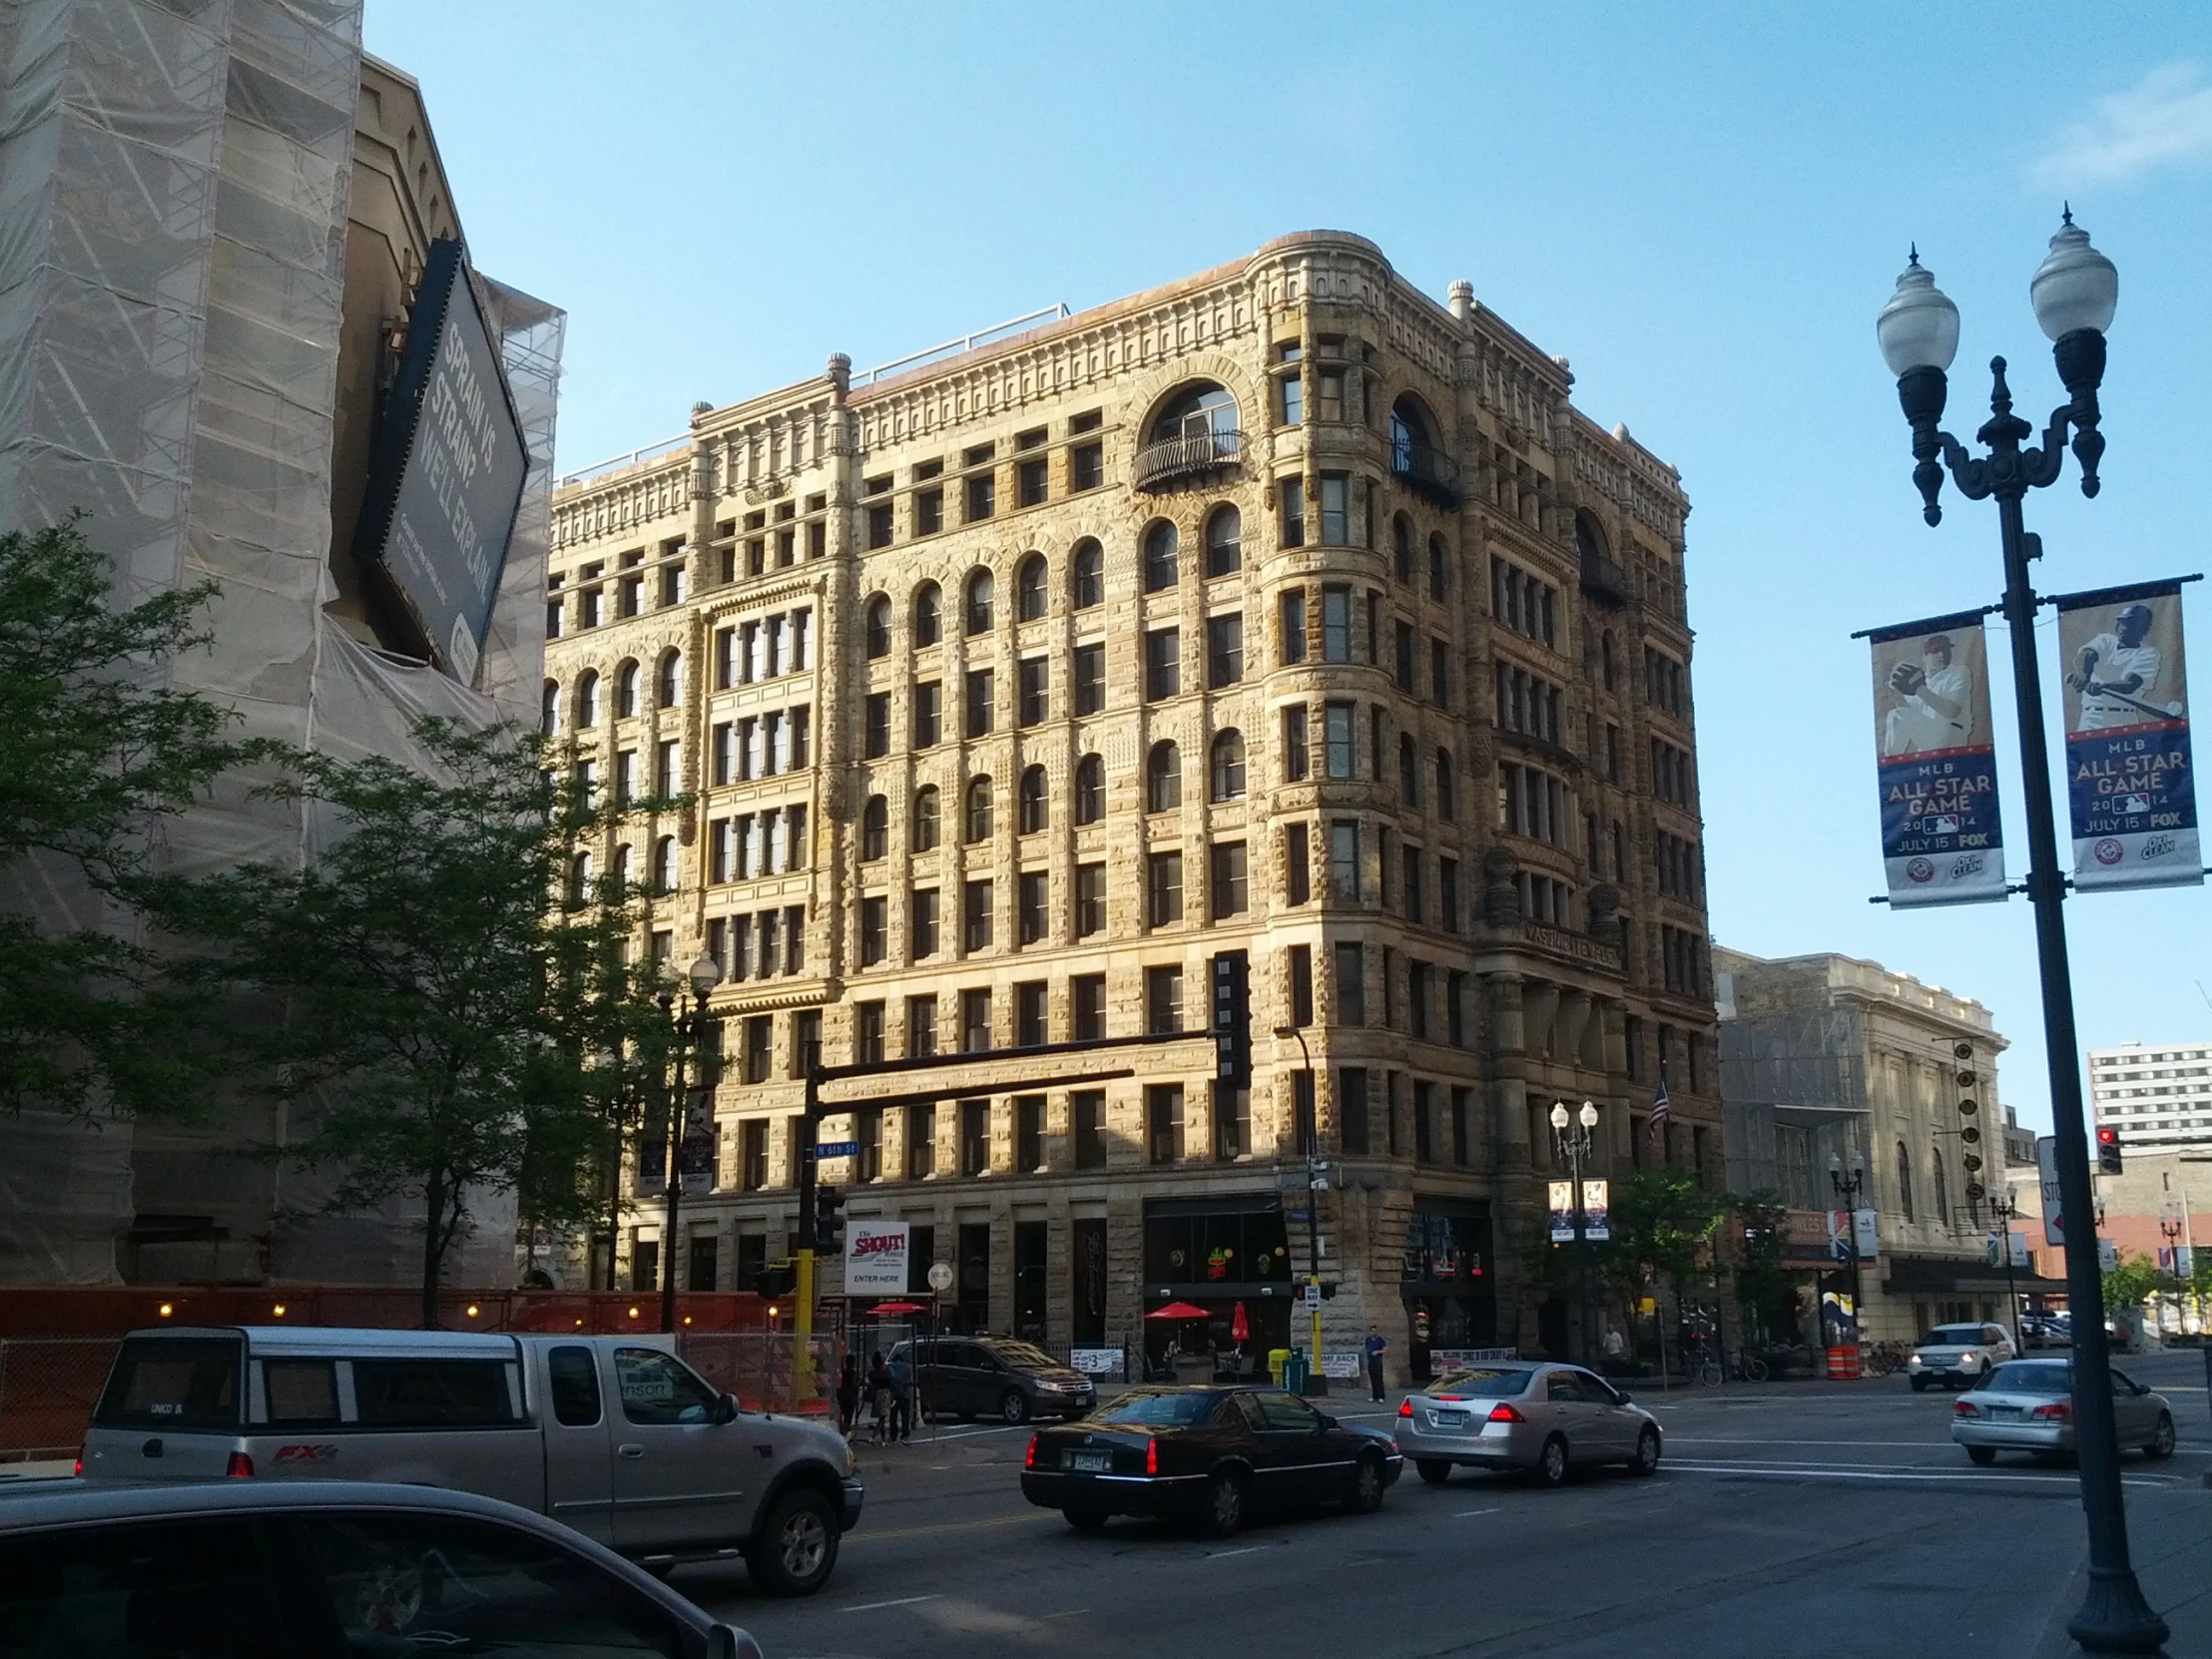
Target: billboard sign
pixel 2128 776
pixel 875 1257
pixel 1937 761
pixel 446 471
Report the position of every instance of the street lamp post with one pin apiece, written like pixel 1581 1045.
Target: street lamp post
pixel 703 975
pixel 1575 1136
pixel 2169 1225
pixel 1850 1185
pixel 2003 1209
pixel 2073 293
pixel 1315 1180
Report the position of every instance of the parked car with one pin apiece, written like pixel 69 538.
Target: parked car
pixel 2045 1330
pixel 990 1376
pixel 1957 1356
pixel 1215 1455
pixel 1524 1415
pixel 2028 1405
pixel 254 1568
pixel 613 1436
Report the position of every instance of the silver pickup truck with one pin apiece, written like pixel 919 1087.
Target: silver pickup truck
pixel 613 1436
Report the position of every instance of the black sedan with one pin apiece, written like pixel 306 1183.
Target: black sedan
pixel 1212 1455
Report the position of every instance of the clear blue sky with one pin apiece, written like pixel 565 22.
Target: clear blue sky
pixel 1701 207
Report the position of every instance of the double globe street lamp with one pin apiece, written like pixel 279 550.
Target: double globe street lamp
pixel 1575 1135
pixel 703 975
pixel 2073 293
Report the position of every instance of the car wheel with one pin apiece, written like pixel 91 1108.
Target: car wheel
pixel 1647 1460
pixel 797 1545
pixel 1434 1470
pixel 1015 1406
pixel 1223 1514
pixel 1983 1454
pixel 1551 1463
pixel 2162 1444
pixel 1367 1486
pixel 1920 1385
pixel 1086 1520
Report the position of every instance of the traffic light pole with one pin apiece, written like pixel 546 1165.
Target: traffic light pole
pixel 802 1287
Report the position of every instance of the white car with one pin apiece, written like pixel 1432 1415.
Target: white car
pixel 1957 1356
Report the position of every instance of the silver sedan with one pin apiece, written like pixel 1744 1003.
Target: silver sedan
pixel 1524 1414
pixel 2028 1405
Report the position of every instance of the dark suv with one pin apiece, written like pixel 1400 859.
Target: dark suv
pixel 994 1377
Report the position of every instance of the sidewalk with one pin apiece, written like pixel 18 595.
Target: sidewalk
pixel 2169 1535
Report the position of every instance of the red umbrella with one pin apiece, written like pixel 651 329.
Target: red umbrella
pixel 1177 1311
pixel 1240 1328
pixel 899 1307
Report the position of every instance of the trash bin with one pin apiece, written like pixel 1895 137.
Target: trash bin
pixel 1278 1357
pixel 1295 1371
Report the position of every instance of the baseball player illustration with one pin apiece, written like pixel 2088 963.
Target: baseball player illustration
pixel 1937 706
pixel 2117 676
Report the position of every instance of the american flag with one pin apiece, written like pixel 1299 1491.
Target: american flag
pixel 1660 1111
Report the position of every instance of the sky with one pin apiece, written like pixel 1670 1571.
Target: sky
pixel 1701 207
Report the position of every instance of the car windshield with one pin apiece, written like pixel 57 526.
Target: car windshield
pixel 2029 1379
pixel 1482 1383
pixel 1024 1356
pixel 1952 1336
pixel 1177 1410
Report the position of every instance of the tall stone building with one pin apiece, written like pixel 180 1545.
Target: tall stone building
pixel 1278 612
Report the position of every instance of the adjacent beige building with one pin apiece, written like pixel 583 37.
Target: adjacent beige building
pixel 1280 613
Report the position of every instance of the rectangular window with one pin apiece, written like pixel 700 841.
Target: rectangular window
pixel 1030 481
pixel 1402 641
pixel 1090 901
pixel 975 915
pixel 1447 895
pixel 1086 466
pixel 725 748
pixel 1164 889
pixel 667 764
pixel 1087 994
pixel 760 1047
pixel 978 703
pixel 1290 496
pixel 1302 984
pixel 928 714
pixel 1030 1134
pixel 1416 908
pixel 1439 674
pixel 1290 625
pixel 867 1033
pixel 1029 1014
pixel 1087 1118
pixel 806 1040
pixel 1231 1121
pixel 725 658
pixel 924 935
pixel 1352 1108
pixel 1417 1001
pixel 1329 394
pixel 975 1136
pixel 982 497
pixel 1338 730
pixel 1163 1113
pixel 1223 650
pixel 928 511
pixel 721 844
pixel 1297 870
pixel 1296 762
pixel 1335 509
pixel 921 1027
pixel 1162 1000
pixel 922 1141
pixel 1227 892
pixel 1456 1017
pixel 879 525
pixel 875 727
pixel 1035 891
pixel 1424 1126
pixel 1163 664
pixel 1351 985
pixel 1336 624
pixel 874 924
pixel 1289 397
pixel 975 1021
pixel 1090 679
pixel 1035 702
pixel 1344 857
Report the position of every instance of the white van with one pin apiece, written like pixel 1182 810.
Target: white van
pixel 613 1436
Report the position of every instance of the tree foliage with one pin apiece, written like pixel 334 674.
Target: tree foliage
pixel 96 746
pixel 2133 1282
pixel 1765 1287
pixel 1664 1225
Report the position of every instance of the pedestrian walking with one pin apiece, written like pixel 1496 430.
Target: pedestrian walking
pixel 848 1395
pixel 880 1396
pixel 902 1408
pixel 1615 1345
pixel 1376 1346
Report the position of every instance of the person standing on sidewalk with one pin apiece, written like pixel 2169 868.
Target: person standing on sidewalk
pixel 1376 1346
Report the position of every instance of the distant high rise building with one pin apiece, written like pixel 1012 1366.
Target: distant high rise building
pixel 2158 1096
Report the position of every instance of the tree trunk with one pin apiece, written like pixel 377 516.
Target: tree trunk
pixel 433 1245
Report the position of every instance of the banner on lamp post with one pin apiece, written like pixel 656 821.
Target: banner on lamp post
pixel 1597 1224
pixel 1941 839
pixel 2129 782
pixel 1562 1212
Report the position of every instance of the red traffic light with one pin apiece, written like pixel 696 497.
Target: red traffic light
pixel 2107 1135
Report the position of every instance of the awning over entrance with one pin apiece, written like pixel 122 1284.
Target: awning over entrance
pixel 1954 1275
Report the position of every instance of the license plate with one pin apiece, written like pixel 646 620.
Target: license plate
pixel 2004 1411
pixel 1090 1462
pixel 1451 1420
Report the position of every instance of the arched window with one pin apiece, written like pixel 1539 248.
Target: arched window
pixel 1447 787
pixel 875 829
pixel 926 819
pixel 1090 790
pixel 1401 548
pixel 1439 567
pixel 1904 1183
pixel 579 879
pixel 1034 811
pixel 1589 540
pixel 1163 778
pixel 879 626
pixel 1159 556
pixel 978 612
pixel 1087 575
pixel 549 710
pixel 1409 439
pixel 1409 770
pixel 669 682
pixel 1029 600
pixel 1941 1218
pixel 1198 410
pixel 618 873
pixel 927 614
pixel 1228 766
pixel 626 691
pixel 1224 542
pixel 978 824
pixel 587 698
pixel 663 864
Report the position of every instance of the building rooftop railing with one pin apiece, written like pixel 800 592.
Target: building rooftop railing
pixel 1172 461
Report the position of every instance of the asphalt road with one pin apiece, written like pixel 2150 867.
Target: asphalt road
pixel 1806 1519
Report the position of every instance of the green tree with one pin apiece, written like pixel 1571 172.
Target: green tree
pixel 95 747
pixel 1766 1289
pixel 418 991
pixel 1665 1225
pixel 2132 1282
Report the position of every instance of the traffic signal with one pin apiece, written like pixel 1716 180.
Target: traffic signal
pixel 2108 1150
pixel 778 1279
pixel 829 1221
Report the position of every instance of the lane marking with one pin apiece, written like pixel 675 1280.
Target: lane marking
pixel 1815 1471
pixel 873 1606
pixel 1071 1613
pixel 1761 1439
pixel 943 1527
pixel 1465 1513
pixel 1224 1555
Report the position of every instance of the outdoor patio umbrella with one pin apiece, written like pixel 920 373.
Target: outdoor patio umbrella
pixel 899 1307
pixel 1177 1311
pixel 1240 1328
